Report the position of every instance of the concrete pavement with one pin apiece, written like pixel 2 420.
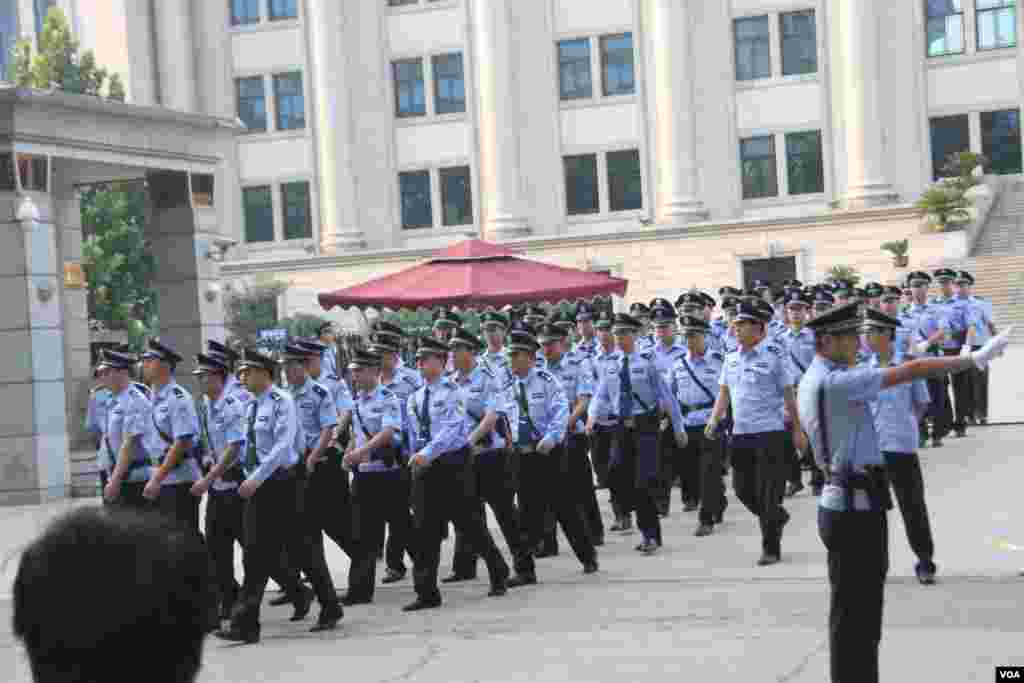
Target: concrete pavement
pixel 700 610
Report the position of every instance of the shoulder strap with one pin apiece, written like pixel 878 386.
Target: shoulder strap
pixel 823 423
pixel 693 376
pixel 797 361
pixel 359 416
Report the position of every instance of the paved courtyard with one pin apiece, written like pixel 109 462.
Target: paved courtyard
pixel 699 611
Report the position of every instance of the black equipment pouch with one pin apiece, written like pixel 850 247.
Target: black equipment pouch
pixel 386 454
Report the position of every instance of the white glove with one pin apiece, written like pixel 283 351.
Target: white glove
pixel 711 428
pixel 545 446
pixel 993 349
pixel 921 348
pixel 682 438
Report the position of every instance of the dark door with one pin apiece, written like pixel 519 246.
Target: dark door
pixel 774 270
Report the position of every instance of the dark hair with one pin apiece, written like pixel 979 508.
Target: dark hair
pixel 104 584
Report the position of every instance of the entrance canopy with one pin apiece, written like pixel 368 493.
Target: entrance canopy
pixel 475 274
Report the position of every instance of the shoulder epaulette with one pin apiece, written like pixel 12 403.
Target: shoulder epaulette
pixel 545 375
pixel 484 368
pixel 384 391
pixel 178 392
pixel 333 378
pixel 276 395
pixel 647 355
pixel 228 400
pixel 717 355
pixel 319 390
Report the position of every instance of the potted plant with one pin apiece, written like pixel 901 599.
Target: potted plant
pixel 946 202
pixel 899 252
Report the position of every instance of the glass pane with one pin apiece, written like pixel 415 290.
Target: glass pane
pixel 298 223
pixel 799 43
pixel 581 184
pixel 945 35
pixel 753 49
pixel 625 184
pixel 410 97
pixel 245 12
pixel 291 105
pixel 1000 140
pixel 574 69
pixel 941 8
pixel 449 85
pixel 414 188
pixel 8 36
pixel 283 9
pixel 757 161
pixel 456 196
pixel 804 166
pixel 399 3
pixel 252 104
pixel 949 135
pixel 258 207
pixel 7 171
pixel 997 28
pixel 617 62
pixel 992 4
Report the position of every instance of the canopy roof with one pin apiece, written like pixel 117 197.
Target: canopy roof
pixel 475 274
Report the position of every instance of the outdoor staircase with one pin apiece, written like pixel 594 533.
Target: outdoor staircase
pixel 1003 232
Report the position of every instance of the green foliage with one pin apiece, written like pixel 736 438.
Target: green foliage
pixel 115 88
pixel 959 168
pixel 844 272
pixel 252 309
pixel 118 266
pixel 58 64
pixel 900 248
pixel 420 322
pixel 946 202
pixel 302 325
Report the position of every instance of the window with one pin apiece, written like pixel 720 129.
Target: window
pixel 753 48
pixel 799 43
pixel 581 184
pixel 258 207
pixel 283 9
pixel 945 27
pixel 574 69
pixel 456 196
pixel 417 211
pixel 298 221
pixel 997 23
pixel 252 104
pixel 202 189
pixel 244 12
pixel 949 135
pixel 8 35
pixel 401 3
pixel 768 270
pixel 33 173
pixel 410 99
pixel 617 64
pixel 1000 140
pixel 625 184
pixel 757 161
pixel 449 84
pixel 290 103
pixel 804 168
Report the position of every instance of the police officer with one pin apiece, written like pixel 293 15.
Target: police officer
pixel 694 383
pixel 494 326
pixel 604 427
pixel 757 384
pixel 889 303
pixel 374 456
pixel 128 421
pixel 228 357
pixel 798 344
pixel 443 484
pixel 642 314
pixel 221 422
pixel 834 398
pixel 873 292
pixel 273 509
pixel 534 316
pixel 896 412
pixel 96 416
pixel 172 438
pixel 985 329
pixel 667 350
pixel 587 345
pixel 538 413
pixel 327 334
pixel 386 340
pixel 635 391
pixel 929 327
pixel 824 301
pixel 957 314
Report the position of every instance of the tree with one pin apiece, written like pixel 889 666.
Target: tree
pixel 252 309
pixel 118 265
pixel 302 324
pixel 842 272
pixel 58 64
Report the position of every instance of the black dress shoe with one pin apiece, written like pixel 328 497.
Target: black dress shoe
pixel 329 617
pixel 590 567
pixel 546 552
pixel 303 603
pixel 691 506
pixel 235 634
pixel 793 488
pixel 925 574
pixel 419 604
pixel 455 578
pixel 768 559
pixel 348 599
pixel 704 530
pixel 391 576
pixel 522 579
pixel 599 539
pixel 498 589
pixel 225 610
pixel 283 599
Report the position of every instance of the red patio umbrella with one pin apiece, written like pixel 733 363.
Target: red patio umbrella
pixel 475 274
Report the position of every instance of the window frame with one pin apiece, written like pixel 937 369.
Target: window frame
pixel 981 11
pixel 780 18
pixel 269 188
pixel 436 172
pixel 275 80
pixel 602 41
pixel 963 30
pixel 588 41
pixel 569 211
pixel 767 19
pixel 935 170
pixel 271 18
pixel 788 161
pixel 1019 168
pixel 429 197
pixel 424 81
pixel 435 94
pixel 603 184
pixel 444 171
pixel 267 114
pixel 282 188
pixel 773 168
pixel 608 179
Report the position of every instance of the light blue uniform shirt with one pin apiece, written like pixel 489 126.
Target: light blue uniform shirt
pixel 587 349
pixel 404 383
pixel 665 357
pixel 130 414
pixel 928 319
pixel 341 395
pixel 225 423
pixel 757 380
pixel 645 342
pixel 497 361
pixel 100 400
pixel 954 314
pixel 174 414
pixel 906 334
pixel 895 412
pixel 577 381
pixel 852 437
pixel 329 363
pixel 650 390
pixel 315 409
pixel 446 416
pixel 547 404
pixel 799 347
pixel 481 393
pixel 982 315
pixel 708 371
pixel 374 412
pixel 599 365
pixel 275 426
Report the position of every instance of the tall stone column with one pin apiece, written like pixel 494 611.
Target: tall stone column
pixel 339 230
pixel 502 215
pixel 33 423
pixel 175 52
pixel 866 183
pixel 676 132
